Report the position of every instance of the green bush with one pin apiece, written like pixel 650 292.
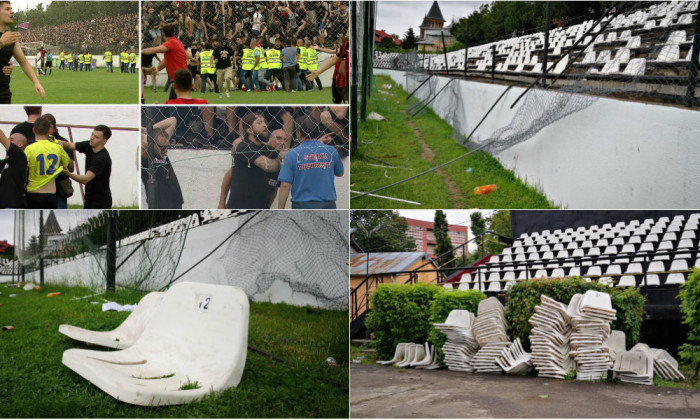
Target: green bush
pixel 690 308
pixel 522 298
pixel 400 314
pixel 442 305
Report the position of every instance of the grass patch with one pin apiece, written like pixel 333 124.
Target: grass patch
pixel 365 354
pixel 69 87
pixel 34 382
pixel 238 97
pixel 190 385
pixel 398 143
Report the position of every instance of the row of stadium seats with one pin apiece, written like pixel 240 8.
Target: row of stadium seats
pixel 652 252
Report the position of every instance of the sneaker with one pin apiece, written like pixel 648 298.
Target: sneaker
pixel 272 88
pixel 227 95
pixel 257 90
pixel 243 88
pixel 293 90
pixel 221 95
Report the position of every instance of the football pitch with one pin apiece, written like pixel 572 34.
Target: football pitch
pixel 69 87
pixel 240 97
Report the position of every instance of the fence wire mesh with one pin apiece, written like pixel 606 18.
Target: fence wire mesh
pixel 640 50
pixel 187 151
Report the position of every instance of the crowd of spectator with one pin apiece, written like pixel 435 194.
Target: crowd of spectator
pixel 115 32
pixel 322 22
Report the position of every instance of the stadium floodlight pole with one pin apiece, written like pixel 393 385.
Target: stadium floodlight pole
pixel 693 76
pixel 466 50
pixel 111 249
pixel 444 52
pixel 546 44
pixel 41 248
pixel 353 78
pixel 571 48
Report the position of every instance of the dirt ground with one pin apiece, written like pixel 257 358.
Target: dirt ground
pixel 389 392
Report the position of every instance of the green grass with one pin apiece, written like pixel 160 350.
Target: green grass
pixel 237 97
pixel 67 87
pixel 397 143
pixel 34 382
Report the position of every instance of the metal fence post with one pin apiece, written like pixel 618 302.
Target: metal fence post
pixel 546 44
pixel 493 62
pixel 353 82
pixel 692 77
pixel 466 50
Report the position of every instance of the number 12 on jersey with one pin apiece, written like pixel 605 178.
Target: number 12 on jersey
pixel 52 160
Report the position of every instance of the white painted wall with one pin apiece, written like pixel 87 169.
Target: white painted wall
pixel 613 154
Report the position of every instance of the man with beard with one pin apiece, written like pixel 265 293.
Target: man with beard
pixel 157 171
pixel 253 162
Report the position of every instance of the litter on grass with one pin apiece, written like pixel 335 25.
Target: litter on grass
pixel 113 306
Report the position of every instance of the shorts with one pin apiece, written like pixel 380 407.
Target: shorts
pixel 49 64
pixel 5 95
pixel 193 70
pixel 340 94
pixel 223 74
pixel 41 201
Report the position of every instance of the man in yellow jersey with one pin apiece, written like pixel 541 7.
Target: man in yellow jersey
pixel 62 57
pixel 108 61
pixel 98 168
pixel 206 66
pixel 301 74
pixel 261 67
pixel 274 64
pixel 247 64
pixel 312 64
pixel 132 61
pixel 45 159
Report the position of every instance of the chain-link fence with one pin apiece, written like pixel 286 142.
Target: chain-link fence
pixel 239 45
pixel 197 157
pixel 86 30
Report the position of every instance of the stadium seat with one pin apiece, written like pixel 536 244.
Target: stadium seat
pixel 636 67
pixel 127 333
pixel 210 321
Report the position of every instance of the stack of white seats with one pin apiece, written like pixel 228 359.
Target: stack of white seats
pixel 591 314
pixel 636 366
pixel 486 359
pixel 666 366
pixel 514 359
pixel 461 346
pixel 550 339
pixel 430 361
pixel 490 324
pixel 616 344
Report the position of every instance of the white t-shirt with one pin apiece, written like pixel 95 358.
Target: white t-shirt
pixel 38 60
pixel 257 18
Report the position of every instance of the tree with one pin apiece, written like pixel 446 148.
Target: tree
pixel 490 244
pixel 381 231
pixel 409 40
pixel 442 240
pixel 478 225
pixel 386 42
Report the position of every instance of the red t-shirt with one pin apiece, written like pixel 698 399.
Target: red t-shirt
pixel 184 101
pixel 175 57
pixel 344 55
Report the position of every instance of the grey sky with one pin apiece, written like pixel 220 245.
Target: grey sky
pixel 21 5
pixel 395 17
pixel 7 224
pixel 454 217
pixel 67 219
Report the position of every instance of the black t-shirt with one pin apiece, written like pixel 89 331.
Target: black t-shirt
pixel 97 192
pixel 239 52
pixel 167 188
pixel 26 129
pixel 147 60
pixel 13 178
pixel 223 56
pixel 5 57
pixel 250 186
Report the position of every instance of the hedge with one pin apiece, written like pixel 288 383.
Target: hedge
pixel 445 302
pixel 522 298
pixel 400 314
pixel 690 308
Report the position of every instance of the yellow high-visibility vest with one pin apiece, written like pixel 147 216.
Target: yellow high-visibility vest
pixel 274 60
pixel 124 57
pixel 311 59
pixel 80 58
pixel 108 56
pixel 262 64
pixel 132 58
pixel 63 56
pixel 248 59
pixel 87 58
pixel 302 58
pixel 206 60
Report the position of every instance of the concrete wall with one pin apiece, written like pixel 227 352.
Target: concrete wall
pixel 612 154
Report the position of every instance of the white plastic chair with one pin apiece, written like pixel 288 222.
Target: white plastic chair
pixel 198 336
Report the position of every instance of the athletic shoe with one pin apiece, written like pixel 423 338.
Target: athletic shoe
pixel 221 95
pixel 257 90
pixel 243 88
pixel 272 88
pixel 227 95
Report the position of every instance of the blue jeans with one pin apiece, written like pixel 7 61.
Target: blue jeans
pixel 323 205
pixel 62 202
pixel 244 74
pixel 254 79
pixel 211 76
pixel 109 67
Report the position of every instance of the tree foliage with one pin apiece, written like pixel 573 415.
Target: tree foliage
pixel 409 39
pixel 381 231
pixel 442 240
pixel 509 18
pixel 58 12
pixel 690 308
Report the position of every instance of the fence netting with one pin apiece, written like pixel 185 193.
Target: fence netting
pixel 186 151
pixel 638 51
pixel 299 256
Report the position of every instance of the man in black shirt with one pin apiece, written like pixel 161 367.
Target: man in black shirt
pixel 13 172
pixel 27 128
pixel 98 168
pixel 223 55
pixel 9 47
pixel 253 162
pixel 162 187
